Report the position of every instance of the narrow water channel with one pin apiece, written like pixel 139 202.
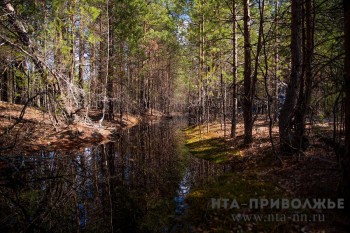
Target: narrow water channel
pixel 136 183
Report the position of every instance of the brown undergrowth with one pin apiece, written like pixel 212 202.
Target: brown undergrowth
pixel 37 132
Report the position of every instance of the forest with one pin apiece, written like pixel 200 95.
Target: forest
pixel 174 116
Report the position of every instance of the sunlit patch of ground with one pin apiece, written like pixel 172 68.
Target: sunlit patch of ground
pixel 209 145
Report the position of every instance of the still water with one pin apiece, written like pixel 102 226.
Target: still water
pixel 136 183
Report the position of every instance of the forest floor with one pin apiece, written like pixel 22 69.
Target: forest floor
pixel 36 130
pixel 260 172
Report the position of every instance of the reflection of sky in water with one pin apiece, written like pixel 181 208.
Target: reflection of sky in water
pixel 84 183
pixel 89 167
pixel 82 215
pixel 182 192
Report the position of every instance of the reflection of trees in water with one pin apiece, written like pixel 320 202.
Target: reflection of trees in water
pixel 34 197
pixel 126 186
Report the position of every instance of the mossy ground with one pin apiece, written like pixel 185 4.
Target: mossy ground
pixel 209 145
pixel 241 187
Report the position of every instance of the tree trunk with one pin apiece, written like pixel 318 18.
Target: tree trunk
pixel 234 71
pixel 202 66
pixel 306 80
pixel 248 90
pixel 287 111
pixel 111 69
pixel 121 80
pixel 72 41
pixel 274 86
pixel 223 100
pixel 81 64
pixel 346 158
pixel 106 86
pixel 5 85
pixel 101 64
